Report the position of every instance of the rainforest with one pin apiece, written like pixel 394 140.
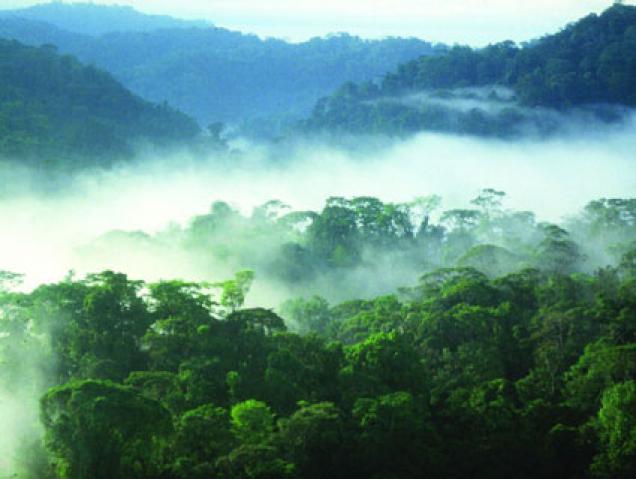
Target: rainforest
pixel 236 256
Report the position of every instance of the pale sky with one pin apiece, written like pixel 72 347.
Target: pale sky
pixel 475 22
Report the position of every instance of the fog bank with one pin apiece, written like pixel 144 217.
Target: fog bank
pixel 44 232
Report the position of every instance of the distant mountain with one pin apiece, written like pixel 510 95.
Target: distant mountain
pixel 55 110
pixel 38 33
pixel 215 74
pixel 95 20
pixel 589 63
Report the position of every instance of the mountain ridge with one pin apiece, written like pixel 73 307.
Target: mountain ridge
pixel 589 62
pixel 215 74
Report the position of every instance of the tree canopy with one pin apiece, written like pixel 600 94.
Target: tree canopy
pixel 472 371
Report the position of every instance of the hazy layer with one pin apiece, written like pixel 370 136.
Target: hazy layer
pixel 460 21
pixel 42 233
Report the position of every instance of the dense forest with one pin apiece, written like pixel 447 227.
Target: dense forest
pixel 516 362
pixel 212 74
pixel 495 91
pixel 55 110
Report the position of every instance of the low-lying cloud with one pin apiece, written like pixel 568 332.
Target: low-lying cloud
pixel 45 233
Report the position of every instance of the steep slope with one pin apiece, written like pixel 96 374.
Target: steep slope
pixel 53 109
pixel 590 62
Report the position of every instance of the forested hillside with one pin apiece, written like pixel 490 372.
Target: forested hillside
pixel 483 371
pixel 590 62
pixel 214 74
pixel 54 109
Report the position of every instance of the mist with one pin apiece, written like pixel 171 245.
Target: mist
pixel 48 233
pixel 491 99
pixel 27 371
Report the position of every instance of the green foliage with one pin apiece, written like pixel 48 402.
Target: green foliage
pixel 465 374
pixel 312 439
pixel 252 422
pixel 202 434
pixel 234 290
pixel 72 114
pixel 102 430
pixel 96 325
pixel 467 368
pixel 395 437
pixel 161 386
pixel 617 432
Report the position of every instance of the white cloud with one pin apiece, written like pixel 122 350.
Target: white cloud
pixel 41 233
